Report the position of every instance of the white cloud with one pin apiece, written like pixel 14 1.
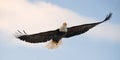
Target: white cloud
pixel 37 16
pixel 42 16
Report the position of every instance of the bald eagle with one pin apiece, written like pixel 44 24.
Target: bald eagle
pixel 54 37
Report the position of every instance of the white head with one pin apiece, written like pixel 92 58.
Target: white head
pixel 64 27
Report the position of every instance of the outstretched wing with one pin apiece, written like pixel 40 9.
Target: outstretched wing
pixel 39 37
pixel 76 30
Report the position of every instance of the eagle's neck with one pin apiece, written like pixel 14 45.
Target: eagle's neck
pixel 63 28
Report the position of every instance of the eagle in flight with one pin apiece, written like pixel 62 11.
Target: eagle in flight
pixel 54 37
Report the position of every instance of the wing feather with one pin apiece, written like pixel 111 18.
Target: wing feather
pixel 76 30
pixel 39 37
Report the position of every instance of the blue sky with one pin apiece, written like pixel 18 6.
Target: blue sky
pixel 80 47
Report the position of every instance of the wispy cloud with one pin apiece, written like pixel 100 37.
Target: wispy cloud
pixel 42 16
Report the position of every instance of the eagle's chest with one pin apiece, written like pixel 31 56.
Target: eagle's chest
pixel 59 36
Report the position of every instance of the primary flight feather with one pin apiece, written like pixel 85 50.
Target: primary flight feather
pixel 54 37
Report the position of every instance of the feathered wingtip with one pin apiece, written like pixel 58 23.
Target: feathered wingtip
pixel 21 32
pixel 20 35
pixel 107 17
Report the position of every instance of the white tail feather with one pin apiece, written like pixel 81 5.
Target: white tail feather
pixel 53 45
